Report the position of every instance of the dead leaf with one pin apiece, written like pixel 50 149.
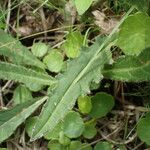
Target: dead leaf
pixel 105 24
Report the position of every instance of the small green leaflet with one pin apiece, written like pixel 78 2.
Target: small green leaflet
pixel 10 119
pixel 82 5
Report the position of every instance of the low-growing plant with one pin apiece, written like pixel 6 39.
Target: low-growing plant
pixel 42 68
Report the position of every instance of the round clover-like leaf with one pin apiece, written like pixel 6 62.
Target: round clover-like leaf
pixel 74 145
pixel 84 104
pixel 143 129
pixel 103 146
pixel 102 103
pixel 55 133
pixel 29 125
pixel 54 61
pixel 90 130
pixel 73 125
pixel 55 145
pixel 21 94
pixel 134 35
pixel 63 139
pixel 39 49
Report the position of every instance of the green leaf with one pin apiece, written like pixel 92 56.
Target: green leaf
pixel 90 130
pixel 84 104
pixel 103 146
pixel 10 119
pixel 30 123
pixel 21 94
pixel 74 145
pixel 74 41
pixel 39 49
pixel 143 129
pixel 86 146
pixel 73 125
pixel 34 86
pixel 102 104
pixel 14 72
pixel 130 68
pixel 18 53
pixel 134 35
pixel 54 61
pixel 63 139
pixel 54 145
pixel 54 134
pixel 82 5
pixel 74 82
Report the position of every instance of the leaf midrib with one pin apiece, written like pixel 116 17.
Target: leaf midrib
pixel 128 69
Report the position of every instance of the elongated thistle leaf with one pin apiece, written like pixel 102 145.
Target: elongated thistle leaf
pixel 74 82
pixel 14 72
pixel 130 68
pixel 10 119
pixel 18 53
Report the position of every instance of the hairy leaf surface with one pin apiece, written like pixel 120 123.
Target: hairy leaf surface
pixel 14 72
pixel 74 82
pixel 18 53
pixel 10 119
pixel 141 5
pixel 130 68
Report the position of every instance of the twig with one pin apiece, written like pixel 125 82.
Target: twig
pixel 8 15
pixel 1 97
pixel 119 143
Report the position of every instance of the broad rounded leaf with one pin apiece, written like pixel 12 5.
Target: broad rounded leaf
pixel 39 49
pixel 73 125
pixel 21 94
pixel 103 146
pixel 82 5
pixel 143 130
pixel 74 145
pixel 90 130
pixel 63 139
pixel 84 104
pixel 102 103
pixel 134 35
pixel 54 145
pixel 54 61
